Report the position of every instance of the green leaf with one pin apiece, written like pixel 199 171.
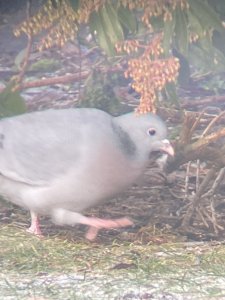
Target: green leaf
pixel 45 65
pixel 75 4
pixel 99 32
pixel 171 94
pixel 184 71
pixel 207 59
pixel 157 23
pixel 219 41
pixel 206 45
pixel 206 15
pixel 218 6
pixel 194 24
pixel 111 21
pixel 11 103
pixel 181 32
pixel 218 60
pixel 56 3
pixel 168 35
pixel 107 28
pixel 20 58
pixel 127 19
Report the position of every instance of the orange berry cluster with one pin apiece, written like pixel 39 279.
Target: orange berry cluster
pixel 193 36
pixel 53 20
pixel 128 46
pixel 155 8
pixel 60 21
pixel 87 7
pixel 150 72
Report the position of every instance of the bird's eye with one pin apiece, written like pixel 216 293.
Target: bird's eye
pixel 151 131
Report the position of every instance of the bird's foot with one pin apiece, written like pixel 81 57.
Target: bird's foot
pixel 35 230
pixel 35 225
pixel 97 224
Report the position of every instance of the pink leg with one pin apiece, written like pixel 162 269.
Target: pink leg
pixel 97 224
pixel 35 226
pixel 65 217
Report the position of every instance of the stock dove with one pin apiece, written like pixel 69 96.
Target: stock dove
pixel 61 162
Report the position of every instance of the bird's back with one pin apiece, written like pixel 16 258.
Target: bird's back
pixel 37 147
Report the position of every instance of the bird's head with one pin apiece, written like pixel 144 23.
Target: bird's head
pixel 147 134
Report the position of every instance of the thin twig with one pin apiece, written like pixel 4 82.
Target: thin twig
pixel 216 183
pixel 62 79
pixel 204 141
pixel 214 223
pixel 213 121
pixel 56 80
pixel 199 212
pixel 203 102
pixel 25 63
pixel 187 180
pixel 194 126
pixel 197 199
pixel 197 175
pixel 80 71
pixel 216 226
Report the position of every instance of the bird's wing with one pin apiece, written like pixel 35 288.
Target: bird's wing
pixel 36 148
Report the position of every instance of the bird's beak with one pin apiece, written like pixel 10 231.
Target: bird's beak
pixel 167 148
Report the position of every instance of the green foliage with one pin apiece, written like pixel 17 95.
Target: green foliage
pixel 192 29
pixel 168 34
pixel 110 24
pixel 203 21
pixel 45 65
pixel 99 93
pixel 113 22
pixel 127 19
pixel 184 72
pixel 219 7
pixel 169 93
pixel 206 15
pixel 75 4
pixel 218 40
pixel 11 103
pixel 206 58
pixel 20 58
pixel 181 32
pixel 215 84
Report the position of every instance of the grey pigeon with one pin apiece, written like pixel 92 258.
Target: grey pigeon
pixel 61 162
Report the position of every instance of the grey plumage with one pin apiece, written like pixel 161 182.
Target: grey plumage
pixel 60 162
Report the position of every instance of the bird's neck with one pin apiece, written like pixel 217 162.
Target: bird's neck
pixel 131 148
